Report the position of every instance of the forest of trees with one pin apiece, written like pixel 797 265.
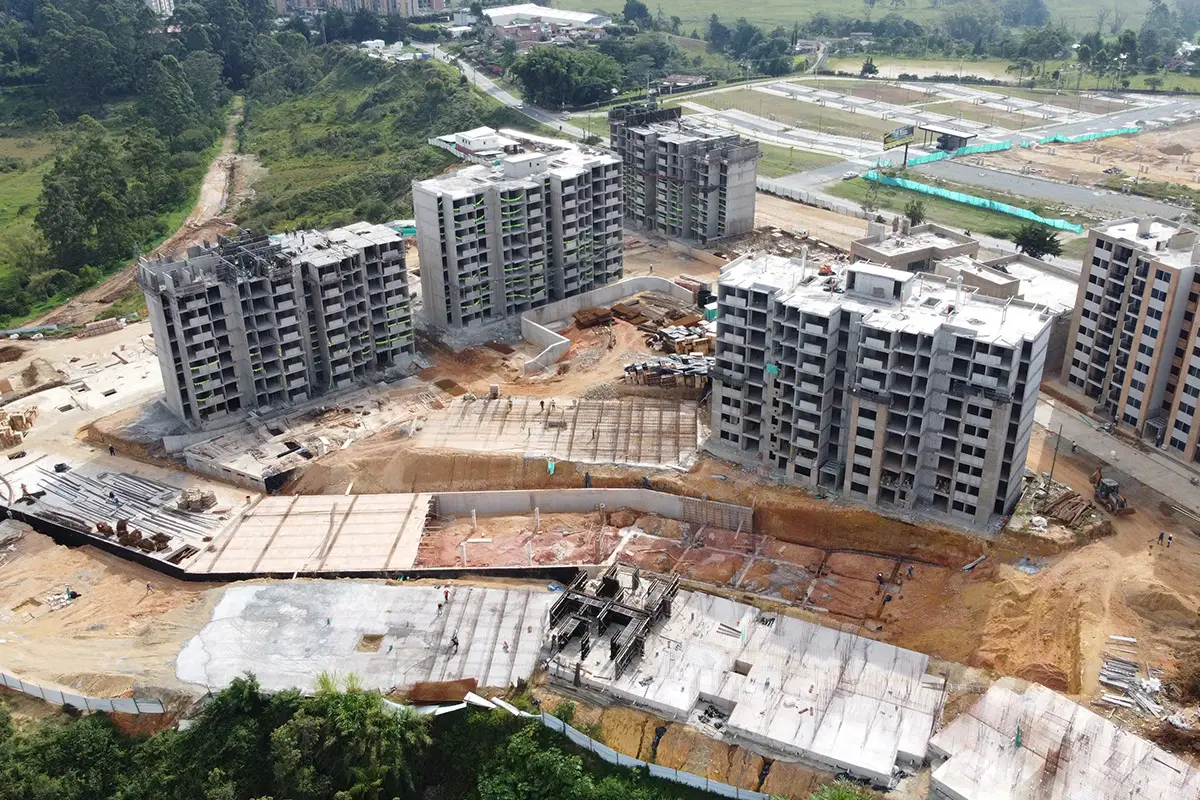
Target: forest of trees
pixel 341 743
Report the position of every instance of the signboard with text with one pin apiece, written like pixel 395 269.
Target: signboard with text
pixel 902 135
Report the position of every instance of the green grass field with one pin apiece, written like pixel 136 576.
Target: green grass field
pixel 21 187
pixel 779 161
pixel 984 114
pixel 799 113
pixel 769 13
pixel 947 212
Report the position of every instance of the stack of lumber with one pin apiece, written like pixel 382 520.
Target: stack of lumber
pixel 1068 508
pixel 590 317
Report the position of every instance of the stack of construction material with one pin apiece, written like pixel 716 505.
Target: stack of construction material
pixel 590 317
pixel 197 499
pixel 102 326
pixel 1069 508
pixel 674 371
pixel 682 339
pixel 14 425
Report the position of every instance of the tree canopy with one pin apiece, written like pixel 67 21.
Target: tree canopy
pixel 1037 240
pixel 556 76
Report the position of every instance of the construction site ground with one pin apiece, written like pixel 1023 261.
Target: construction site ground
pixel 228 183
pixel 827 226
pixel 1162 151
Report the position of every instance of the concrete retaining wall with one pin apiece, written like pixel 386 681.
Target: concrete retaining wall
pixel 533 322
pixel 687 509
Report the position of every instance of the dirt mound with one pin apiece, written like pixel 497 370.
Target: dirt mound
pixel 1160 604
pixel 628 731
pixel 11 352
pixel 660 526
pixel 691 751
pixel 622 517
pixel 792 781
pixel 1173 150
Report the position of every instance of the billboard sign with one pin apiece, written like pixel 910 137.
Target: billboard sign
pixel 905 134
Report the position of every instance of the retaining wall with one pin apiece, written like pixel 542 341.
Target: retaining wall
pixel 533 322
pixel 688 509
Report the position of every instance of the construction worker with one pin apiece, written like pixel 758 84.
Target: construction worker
pixel 1170 539
pixel 543 404
pixel 510 404
pixel 454 641
pixel 112 451
pixel 446 594
pixel 1161 534
pixel 149 589
pixel 910 571
pixel 439 611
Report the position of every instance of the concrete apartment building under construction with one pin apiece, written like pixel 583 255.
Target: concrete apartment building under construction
pixel 496 241
pixel 683 178
pixel 1134 345
pixel 909 392
pixel 260 324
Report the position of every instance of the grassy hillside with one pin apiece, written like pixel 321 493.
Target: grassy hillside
pixel 350 147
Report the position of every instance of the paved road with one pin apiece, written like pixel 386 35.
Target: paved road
pixel 490 87
pixel 1152 468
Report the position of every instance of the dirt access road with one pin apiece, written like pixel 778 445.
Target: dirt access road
pixel 226 185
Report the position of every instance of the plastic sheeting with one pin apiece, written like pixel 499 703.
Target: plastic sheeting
pixel 965 150
pixel 1087 137
pixel 972 200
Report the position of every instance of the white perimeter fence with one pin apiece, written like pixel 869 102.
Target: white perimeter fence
pixel 122 705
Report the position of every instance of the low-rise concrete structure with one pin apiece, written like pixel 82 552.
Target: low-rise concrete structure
pixel 913 248
pixel 526 13
pixel 782 685
pixel 1038 744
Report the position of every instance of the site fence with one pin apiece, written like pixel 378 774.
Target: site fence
pixel 1059 138
pixel 972 200
pixel 808 198
pixel 658 771
pixel 965 150
pixel 122 705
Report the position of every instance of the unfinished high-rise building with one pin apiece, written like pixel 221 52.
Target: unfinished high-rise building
pixel 1134 347
pixel 496 241
pixel 905 391
pixel 262 323
pixel 683 178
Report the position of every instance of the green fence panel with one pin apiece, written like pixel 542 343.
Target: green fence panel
pixel 972 200
pixel 1058 138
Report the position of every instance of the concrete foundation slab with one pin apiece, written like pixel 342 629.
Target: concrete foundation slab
pixel 336 534
pixel 388 636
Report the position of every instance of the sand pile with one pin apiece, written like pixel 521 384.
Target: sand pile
pixel 1159 604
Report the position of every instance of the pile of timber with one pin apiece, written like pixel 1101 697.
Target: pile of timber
pixel 1069 508
pixel 650 312
pixel 590 317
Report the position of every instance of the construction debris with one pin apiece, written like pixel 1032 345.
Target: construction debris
pixel 671 371
pixel 101 327
pixel 686 339
pixel 14 425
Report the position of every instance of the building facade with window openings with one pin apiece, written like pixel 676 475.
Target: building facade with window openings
pixel 904 391
pixel 1134 345
pixel 263 323
pixel 683 178
pixel 496 241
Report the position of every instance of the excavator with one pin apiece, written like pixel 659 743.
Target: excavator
pixel 1108 494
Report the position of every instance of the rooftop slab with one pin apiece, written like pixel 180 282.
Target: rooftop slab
pixel 289 633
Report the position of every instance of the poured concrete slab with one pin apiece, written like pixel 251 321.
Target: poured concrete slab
pixel 312 534
pixel 289 633
pixel 1039 744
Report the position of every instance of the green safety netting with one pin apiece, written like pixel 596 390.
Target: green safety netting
pixel 965 150
pixel 1058 138
pixel 972 200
